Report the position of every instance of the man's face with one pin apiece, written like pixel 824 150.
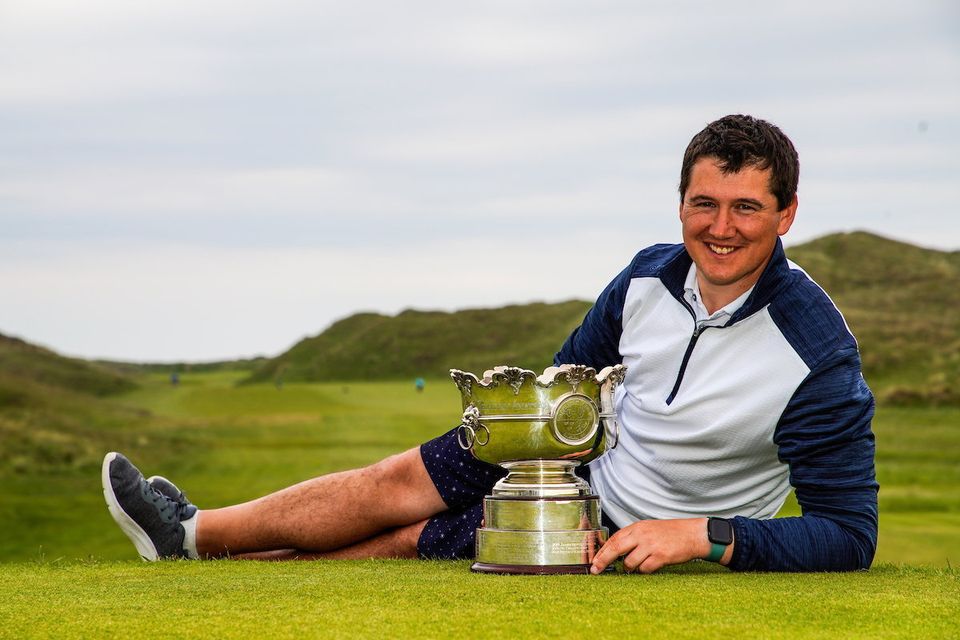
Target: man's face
pixel 730 227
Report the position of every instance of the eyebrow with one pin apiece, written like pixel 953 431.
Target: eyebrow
pixel 698 196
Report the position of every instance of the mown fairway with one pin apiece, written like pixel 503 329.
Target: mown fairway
pixel 74 573
pixel 410 599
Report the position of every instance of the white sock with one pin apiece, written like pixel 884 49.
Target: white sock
pixel 190 536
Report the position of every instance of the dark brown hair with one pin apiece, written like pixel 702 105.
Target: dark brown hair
pixel 737 141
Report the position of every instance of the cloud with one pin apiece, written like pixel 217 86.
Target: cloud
pixel 206 156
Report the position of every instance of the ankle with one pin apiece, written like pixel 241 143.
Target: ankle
pixel 190 535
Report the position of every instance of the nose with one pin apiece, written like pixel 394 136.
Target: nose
pixel 722 224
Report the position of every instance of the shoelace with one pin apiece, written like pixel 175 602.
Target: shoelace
pixel 165 506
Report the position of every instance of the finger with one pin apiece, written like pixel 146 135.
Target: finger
pixel 608 553
pixel 650 564
pixel 601 561
pixel 635 559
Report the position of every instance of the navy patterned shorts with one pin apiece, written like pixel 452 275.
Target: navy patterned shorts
pixel 462 481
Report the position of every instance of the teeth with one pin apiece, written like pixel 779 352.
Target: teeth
pixel 721 250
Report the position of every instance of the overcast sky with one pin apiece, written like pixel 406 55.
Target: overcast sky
pixel 208 179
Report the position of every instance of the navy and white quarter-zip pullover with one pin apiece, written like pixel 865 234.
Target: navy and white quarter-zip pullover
pixel 723 420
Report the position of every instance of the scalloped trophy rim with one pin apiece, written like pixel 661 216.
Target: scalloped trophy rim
pixel 516 377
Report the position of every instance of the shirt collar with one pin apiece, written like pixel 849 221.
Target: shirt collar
pixel 691 293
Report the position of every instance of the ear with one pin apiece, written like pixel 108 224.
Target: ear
pixel 787 215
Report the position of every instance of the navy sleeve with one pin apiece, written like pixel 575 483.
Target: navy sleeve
pixel 825 436
pixel 596 342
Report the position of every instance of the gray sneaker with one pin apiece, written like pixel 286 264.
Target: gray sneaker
pixel 149 518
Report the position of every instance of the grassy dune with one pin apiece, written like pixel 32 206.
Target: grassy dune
pixel 900 300
pixel 902 309
pixel 370 346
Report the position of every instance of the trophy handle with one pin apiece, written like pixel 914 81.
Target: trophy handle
pixel 471 431
pixel 613 377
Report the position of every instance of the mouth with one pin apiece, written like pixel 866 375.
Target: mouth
pixel 719 249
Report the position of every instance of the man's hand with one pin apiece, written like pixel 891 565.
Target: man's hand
pixel 648 545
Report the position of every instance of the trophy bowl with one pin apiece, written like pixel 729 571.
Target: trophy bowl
pixel 540 518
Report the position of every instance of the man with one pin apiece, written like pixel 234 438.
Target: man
pixel 742 381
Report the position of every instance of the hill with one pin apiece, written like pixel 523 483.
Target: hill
pixel 21 361
pixel 903 304
pixel 370 346
pixel 53 409
pixel 900 300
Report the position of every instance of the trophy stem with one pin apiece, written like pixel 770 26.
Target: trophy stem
pixel 541 479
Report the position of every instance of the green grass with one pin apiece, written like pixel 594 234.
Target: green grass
pixel 411 599
pixel 225 444
pixel 70 572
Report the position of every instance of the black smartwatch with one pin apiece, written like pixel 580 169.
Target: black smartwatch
pixel 720 534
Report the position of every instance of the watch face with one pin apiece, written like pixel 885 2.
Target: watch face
pixel 719 531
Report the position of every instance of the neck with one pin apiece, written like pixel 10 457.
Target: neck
pixel 716 297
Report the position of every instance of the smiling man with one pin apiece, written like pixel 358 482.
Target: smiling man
pixel 743 382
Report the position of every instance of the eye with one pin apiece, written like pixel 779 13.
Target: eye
pixel 746 207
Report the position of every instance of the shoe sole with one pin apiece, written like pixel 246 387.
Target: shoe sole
pixel 137 535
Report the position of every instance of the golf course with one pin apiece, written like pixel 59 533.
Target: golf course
pixel 230 432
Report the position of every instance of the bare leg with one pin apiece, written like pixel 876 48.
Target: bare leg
pixel 325 513
pixel 396 543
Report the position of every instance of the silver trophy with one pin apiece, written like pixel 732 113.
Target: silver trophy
pixel 542 517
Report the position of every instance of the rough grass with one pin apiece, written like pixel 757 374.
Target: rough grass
pixel 411 599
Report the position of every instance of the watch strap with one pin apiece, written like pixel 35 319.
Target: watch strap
pixel 716 552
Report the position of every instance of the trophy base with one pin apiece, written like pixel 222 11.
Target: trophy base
pixel 541 519
pixel 531 569
pixel 541 548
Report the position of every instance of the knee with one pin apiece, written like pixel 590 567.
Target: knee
pixel 409 539
pixel 403 481
pixel 403 470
